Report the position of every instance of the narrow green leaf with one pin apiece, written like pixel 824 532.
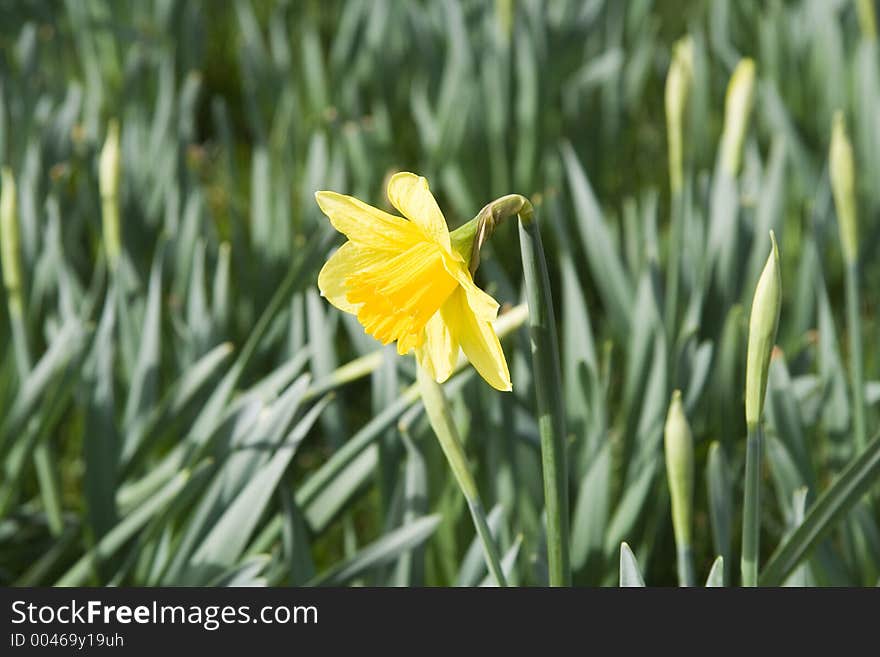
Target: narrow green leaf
pixel 720 495
pixel 630 575
pixel 716 574
pixel 143 388
pixel 508 565
pixel 116 538
pixel 229 535
pixel 831 507
pixel 101 446
pixel 591 510
pixel 382 551
pixel 602 257
pixel 473 566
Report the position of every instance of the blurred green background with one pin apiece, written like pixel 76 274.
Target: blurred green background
pixel 166 417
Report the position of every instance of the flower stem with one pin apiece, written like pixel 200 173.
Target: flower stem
pixel 673 262
pixel 855 353
pixel 685 559
pixel 440 417
pixel 548 390
pixel 751 507
pixel 545 361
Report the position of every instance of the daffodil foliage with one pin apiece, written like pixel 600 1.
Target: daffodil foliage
pixel 405 282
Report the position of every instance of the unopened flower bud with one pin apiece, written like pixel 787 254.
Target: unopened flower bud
pixel 763 323
pixel 842 171
pixel 679 446
pixel 108 182
pixel 678 82
pixel 737 108
pixel 9 241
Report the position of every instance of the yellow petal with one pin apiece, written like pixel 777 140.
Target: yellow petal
pixel 481 304
pixel 401 293
pixel 349 259
pixel 477 339
pixel 410 341
pixel 439 352
pixel 410 194
pixel 365 225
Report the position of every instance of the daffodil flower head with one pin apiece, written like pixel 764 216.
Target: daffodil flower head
pixel 409 282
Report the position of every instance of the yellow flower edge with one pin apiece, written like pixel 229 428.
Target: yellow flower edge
pixel 405 282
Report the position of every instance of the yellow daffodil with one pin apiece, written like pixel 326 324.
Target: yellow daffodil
pixel 407 280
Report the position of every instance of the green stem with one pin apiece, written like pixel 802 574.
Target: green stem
pixel 855 353
pixel 111 225
pixel 685 558
pixel 673 262
pixel 548 390
pixel 441 421
pixel 751 507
